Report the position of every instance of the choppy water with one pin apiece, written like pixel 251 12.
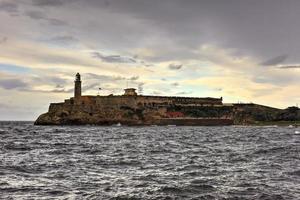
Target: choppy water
pixel 89 162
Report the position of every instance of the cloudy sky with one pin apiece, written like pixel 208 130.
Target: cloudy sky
pixel 246 51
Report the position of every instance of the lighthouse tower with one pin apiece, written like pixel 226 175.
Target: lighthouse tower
pixel 77 88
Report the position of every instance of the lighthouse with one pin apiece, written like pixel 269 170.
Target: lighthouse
pixel 77 86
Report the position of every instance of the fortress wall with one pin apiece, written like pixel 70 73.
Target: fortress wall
pixel 198 101
pixel 115 101
pixel 55 107
pixel 153 101
pixel 180 100
pixel 87 100
pixel 67 106
pixel 130 101
pixel 146 101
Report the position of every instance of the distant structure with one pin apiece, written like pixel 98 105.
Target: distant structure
pixel 77 87
pixel 130 92
pixel 130 98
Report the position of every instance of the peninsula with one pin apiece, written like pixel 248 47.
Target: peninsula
pixel 133 109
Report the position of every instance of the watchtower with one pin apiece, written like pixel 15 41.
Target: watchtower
pixel 77 88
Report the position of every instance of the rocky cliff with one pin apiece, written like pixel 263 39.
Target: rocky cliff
pixel 245 114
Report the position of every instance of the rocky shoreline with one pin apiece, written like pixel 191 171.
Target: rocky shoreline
pixel 240 114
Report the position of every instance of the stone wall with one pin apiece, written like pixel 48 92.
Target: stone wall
pixel 144 101
pixel 55 107
pixel 125 109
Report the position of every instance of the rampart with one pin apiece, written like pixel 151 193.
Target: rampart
pixel 140 101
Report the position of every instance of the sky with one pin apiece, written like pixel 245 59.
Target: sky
pixel 243 51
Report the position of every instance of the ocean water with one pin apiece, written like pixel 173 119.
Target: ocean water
pixel 91 162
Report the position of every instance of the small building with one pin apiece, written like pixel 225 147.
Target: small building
pixel 130 92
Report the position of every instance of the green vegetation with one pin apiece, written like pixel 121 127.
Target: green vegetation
pixel 203 112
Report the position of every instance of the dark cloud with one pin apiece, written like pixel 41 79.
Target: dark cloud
pixel 58 86
pixel 9 7
pixel 34 14
pixel 48 2
pixel 56 22
pixel 175 66
pixel 27 82
pixel 290 67
pixel 280 79
pixel 106 78
pixel 113 58
pixel 148 65
pixel 59 83
pixel 176 27
pixel 142 62
pixel 275 61
pixel 102 78
pixel 114 84
pixel 175 84
pixel 13 83
pixel 134 78
pixel 38 15
pixel 65 39
pixel 57 90
pixel 91 86
pixel 54 79
pixel 49 79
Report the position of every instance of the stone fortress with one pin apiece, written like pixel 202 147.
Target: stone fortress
pixel 132 99
pixel 133 109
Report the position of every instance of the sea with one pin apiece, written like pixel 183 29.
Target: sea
pixel 149 162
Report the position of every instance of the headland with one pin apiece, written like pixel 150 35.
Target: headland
pixel 133 109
